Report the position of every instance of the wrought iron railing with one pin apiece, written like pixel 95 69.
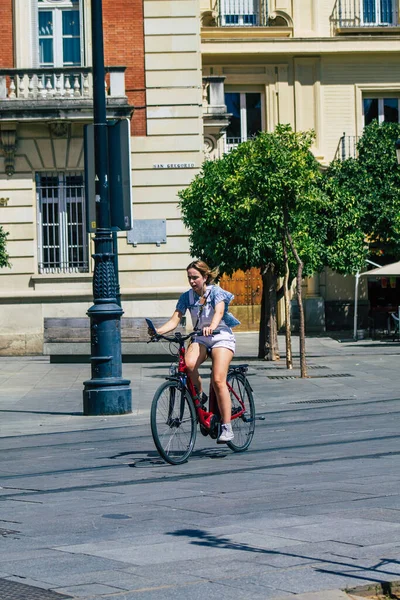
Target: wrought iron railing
pixel 347 147
pixel 242 13
pixel 365 13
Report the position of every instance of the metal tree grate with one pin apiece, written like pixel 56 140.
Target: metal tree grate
pixel 13 590
pixel 331 375
pixel 281 367
pixel 322 401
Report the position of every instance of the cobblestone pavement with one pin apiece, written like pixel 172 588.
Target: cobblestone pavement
pixel 88 510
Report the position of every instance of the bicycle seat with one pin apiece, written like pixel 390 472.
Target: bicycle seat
pixel 238 368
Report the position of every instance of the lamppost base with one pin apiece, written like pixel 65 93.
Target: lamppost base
pixel 100 399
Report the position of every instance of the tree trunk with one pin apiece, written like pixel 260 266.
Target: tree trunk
pixel 268 337
pixel 299 279
pixel 288 335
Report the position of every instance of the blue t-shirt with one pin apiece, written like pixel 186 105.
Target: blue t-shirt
pixel 214 294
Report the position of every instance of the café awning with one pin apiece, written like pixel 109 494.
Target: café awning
pixel 392 270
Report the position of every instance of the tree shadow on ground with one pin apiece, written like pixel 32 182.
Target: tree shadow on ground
pixel 201 537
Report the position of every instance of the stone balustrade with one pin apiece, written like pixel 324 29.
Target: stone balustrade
pixel 57 84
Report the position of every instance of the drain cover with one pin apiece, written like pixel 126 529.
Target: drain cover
pixel 13 590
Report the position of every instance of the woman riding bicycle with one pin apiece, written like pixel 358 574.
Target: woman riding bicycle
pixel 208 306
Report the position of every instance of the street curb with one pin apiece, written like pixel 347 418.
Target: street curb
pixel 322 595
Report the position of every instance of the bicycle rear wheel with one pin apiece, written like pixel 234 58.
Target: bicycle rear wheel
pixel 243 426
pixel 173 423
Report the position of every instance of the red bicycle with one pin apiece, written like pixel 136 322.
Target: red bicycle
pixel 176 409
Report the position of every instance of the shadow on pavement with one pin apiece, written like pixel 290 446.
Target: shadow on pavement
pixel 201 537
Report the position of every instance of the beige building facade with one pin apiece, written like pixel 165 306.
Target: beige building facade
pixel 327 65
pixel 215 73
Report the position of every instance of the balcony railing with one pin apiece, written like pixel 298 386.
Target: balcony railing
pixel 242 13
pixel 347 147
pixel 57 84
pixel 231 143
pixel 354 14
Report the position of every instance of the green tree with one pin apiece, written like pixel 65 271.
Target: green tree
pixel 252 205
pixel 3 252
pixel 364 209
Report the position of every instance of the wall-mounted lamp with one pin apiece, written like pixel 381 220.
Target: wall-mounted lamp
pixel 8 144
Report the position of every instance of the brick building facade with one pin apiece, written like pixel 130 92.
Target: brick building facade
pixel 124 45
pixel 6 40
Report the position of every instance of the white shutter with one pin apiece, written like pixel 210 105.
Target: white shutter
pixel 34 33
pixel 82 32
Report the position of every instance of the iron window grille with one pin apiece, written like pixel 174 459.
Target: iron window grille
pixel 62 237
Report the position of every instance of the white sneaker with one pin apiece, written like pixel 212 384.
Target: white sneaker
pixel 226 434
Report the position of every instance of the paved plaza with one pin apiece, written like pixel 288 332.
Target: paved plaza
pixel 88 510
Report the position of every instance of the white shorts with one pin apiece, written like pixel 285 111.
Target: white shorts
pixel 223 339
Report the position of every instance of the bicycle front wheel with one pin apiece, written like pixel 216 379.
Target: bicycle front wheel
pixel 242 399
pixel 173 422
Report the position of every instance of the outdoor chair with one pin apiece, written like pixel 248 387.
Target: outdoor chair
pixel 396 321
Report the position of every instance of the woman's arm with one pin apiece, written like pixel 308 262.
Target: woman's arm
pixel 171 324
pixel 218 314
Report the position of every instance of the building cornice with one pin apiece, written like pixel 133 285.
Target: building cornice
pixel 250 44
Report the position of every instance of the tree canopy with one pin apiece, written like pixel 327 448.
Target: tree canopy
pixel 364 208
pixel 3 252
pixel 235 207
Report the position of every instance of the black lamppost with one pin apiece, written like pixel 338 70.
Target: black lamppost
pixel 106 393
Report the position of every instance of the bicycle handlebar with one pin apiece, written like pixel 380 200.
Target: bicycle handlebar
pixel 178 336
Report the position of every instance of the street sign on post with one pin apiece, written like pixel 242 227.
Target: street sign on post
pixel 90 187
pixel 119 170
pixel 119 164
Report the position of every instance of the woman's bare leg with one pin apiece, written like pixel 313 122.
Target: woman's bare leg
pixel 221 359
pixel 196 354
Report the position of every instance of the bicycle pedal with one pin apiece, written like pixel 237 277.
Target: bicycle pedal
pixel 214 427
pixel 204 431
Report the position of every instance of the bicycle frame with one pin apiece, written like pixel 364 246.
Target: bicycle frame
pixel 204 417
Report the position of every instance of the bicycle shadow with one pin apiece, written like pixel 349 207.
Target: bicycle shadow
pixel 153 459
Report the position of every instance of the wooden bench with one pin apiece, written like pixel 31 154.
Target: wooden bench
pixel 70 338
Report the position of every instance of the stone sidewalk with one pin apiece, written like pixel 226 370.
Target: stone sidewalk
pixel 88 509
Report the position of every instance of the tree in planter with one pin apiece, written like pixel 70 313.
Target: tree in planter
pixel 292 187
pixel 241 208
pixel 3 252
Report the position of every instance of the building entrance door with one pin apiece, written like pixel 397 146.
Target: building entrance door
pixel 246 306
